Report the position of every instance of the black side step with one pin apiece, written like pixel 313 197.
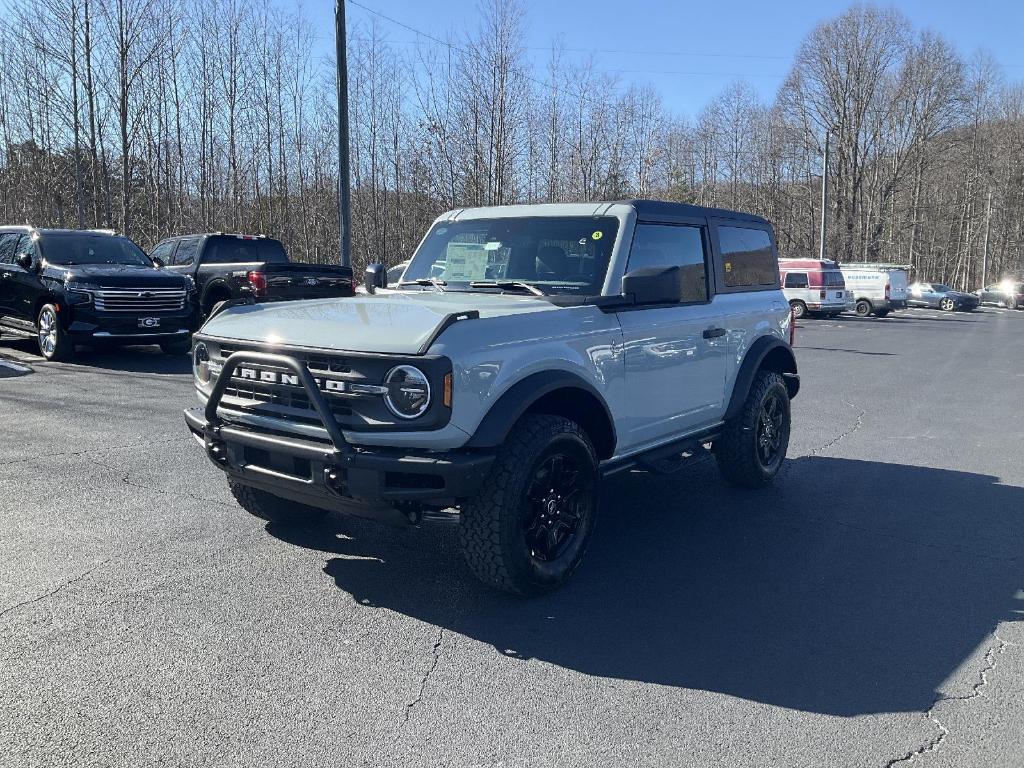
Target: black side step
pixel 667 459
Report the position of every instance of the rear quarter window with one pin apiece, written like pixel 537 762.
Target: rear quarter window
pixel 748 260
pixel 237 250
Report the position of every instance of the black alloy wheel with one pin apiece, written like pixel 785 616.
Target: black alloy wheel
pixel 559 495
pixel 769 430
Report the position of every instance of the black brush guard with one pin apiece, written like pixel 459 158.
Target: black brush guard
pixel 381 483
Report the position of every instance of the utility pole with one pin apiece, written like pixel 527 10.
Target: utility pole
pixel 824 200
pixel 344 191
pixel 984 253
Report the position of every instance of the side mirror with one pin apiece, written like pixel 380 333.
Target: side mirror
pixel 376 276
pixel 654 285
pixel 158 261
pixel 24 260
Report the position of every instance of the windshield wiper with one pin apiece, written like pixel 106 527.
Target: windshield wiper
pixel 431 281
pixel 508 285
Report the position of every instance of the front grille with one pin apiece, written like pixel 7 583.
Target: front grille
pixel 140 299
pixel 351 387
pixel 282 401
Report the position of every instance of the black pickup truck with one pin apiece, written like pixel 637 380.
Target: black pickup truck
pixel 227 267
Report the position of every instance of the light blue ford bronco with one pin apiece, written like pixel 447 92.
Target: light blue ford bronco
pixel 527 353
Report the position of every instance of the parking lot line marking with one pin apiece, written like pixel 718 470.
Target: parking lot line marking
pixel 15 366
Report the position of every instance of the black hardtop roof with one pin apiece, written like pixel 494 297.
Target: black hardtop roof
pixel 664 208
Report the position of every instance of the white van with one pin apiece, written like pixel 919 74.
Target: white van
pixel 813 287
pixel 877 289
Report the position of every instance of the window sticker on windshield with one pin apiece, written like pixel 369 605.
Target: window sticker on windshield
pixel 493 245
pixel 466 261
pixel 441 231
pixel 597 235
pixel 728 266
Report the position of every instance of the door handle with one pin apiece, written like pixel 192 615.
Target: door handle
pixel 714 333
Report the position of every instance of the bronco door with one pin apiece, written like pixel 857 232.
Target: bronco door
pixel 675 355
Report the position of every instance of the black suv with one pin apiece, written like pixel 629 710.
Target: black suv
pixel 63 286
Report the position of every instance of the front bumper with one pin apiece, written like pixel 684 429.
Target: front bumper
pixel 380 483
pixel 84 322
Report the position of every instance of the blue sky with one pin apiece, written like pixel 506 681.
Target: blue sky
pixel 689 51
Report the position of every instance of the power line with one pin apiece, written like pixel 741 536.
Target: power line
pixel 526 76
pixel 603 69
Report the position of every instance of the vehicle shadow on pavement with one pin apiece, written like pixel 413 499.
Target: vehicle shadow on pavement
pixel 138 359
pixel 812 594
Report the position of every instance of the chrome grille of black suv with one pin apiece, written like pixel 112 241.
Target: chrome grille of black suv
pixel 140 299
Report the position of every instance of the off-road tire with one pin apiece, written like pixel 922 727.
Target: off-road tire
pixel 863 308
pixel 491 528
pixel 273 508
pixel 799 309
pixel 63 347
pixel 176 347
pixel 736 450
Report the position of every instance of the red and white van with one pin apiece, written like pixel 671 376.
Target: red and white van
pixel 813 286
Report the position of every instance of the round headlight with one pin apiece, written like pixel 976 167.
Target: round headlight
pixel 201 363
pixel 408 394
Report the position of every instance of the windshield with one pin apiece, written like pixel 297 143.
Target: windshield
pixel 939 288
pixel 556 254
pixel 68 248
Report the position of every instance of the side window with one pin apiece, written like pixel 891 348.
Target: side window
pixel 25 246
pixel 747 257
pixel 668 245
pixel 164 251
pixel 796 280
pixel 8 242
pixel 187 250
pixel 395 274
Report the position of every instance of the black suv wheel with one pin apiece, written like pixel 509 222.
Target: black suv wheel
pixel 53 342
pixel 528 529
pixel 753 445
pixel 273 508
pixel 863 308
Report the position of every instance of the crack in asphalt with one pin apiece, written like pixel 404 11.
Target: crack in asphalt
pixel 54 591
pixel 126 479
pixel 423 682
pixel 92 450
pixel 843 435
pixel 932 745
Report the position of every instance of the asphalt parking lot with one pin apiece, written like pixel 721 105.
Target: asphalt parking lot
pixel 863 611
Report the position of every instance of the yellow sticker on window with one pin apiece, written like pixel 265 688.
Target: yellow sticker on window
pixel 728 266
pixel 597 235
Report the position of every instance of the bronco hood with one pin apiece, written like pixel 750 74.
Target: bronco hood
pixel 392 322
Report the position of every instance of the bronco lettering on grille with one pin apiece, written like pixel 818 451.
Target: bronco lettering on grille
pixel 290 379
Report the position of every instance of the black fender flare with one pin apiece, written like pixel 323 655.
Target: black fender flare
pixel 782 360
pixel 517 400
